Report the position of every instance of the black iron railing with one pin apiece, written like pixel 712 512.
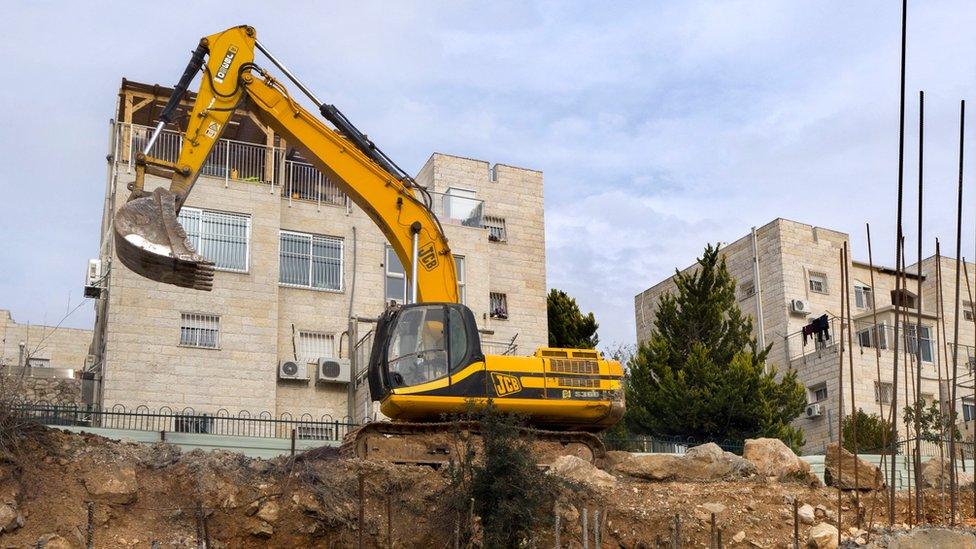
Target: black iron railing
pixel 187 420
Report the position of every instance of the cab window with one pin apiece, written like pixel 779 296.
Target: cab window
pixel 459 339
pixel 418 349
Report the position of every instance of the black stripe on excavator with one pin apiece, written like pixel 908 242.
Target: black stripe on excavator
pixel 474 385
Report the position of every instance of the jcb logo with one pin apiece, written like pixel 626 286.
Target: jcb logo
pixel 505 384
pixel 428 257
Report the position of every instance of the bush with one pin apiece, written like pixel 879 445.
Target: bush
pixel 501 483
pixel 872 433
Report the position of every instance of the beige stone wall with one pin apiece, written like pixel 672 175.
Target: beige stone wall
pixel 139 319
pixel 60 347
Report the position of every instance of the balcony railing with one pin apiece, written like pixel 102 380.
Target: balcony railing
pixel 238 161
pixel 458 209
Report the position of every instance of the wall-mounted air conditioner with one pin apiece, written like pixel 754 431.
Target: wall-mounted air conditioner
pixel 800 307
pixel 814 411
pixel 333 370
pixel 290 369
pixel 93 278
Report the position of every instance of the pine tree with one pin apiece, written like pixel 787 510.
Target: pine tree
pixel 568 326
pixel 702 375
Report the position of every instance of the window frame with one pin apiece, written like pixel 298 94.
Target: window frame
pixel 863 296
pixel 914 336
pixel 747 289
pixel 201 212
pixel 495 225
pixel 387 274
pixel 967 311
pixel 306 335
pixel 506 314
pixel 311 258
pixel 825 290
pixel 883 391
pixel 459 268
pixel 815 390
pixel 968 404
pixel 199 317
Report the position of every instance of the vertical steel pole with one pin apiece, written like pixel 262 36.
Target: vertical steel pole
pixel 850 363
pixel 919 514
pixel 955 334
pixel 415 229
pixel 898 232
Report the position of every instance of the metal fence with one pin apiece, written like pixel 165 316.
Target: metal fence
pixel 187 420
pixel 666 444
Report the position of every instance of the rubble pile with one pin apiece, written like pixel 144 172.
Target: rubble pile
pixel 62 486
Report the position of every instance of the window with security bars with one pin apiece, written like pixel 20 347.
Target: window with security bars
pixel 967 310
pixel 200 330
pixel 818 393
pixel 818 282
pixel 496 228
pixel 310 261
pixel 314 345
pixel 882 392
pixel 218 236
pixel 498 305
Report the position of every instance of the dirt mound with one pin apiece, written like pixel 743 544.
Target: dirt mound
pixel 137 494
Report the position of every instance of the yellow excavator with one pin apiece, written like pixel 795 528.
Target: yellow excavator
pixel 426 360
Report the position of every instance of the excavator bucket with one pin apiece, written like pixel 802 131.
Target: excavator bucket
pixel 151 242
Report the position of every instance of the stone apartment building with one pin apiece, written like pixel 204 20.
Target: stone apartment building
pixel 43 363
pixel 295 262
pixel 788 274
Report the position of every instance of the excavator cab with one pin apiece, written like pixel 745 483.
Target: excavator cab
pixel 419 344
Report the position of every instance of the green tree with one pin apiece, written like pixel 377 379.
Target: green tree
pixel 934 425
pixel 872 433
pixel 702 375
pixel 568 326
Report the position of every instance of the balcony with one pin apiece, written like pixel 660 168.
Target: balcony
pixel 238 161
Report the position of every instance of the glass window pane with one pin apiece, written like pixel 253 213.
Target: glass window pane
pixel 459 338
pixel 294 259
pixel 396 288
pixel 393 264
pixel 327 263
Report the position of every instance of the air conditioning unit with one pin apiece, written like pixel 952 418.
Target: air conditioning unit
pixel 333 370
pixel 290 369
pixel 800 307
pixel 93 279
pixel 814 411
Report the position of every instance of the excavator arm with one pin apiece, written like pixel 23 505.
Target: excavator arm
pixel 150 240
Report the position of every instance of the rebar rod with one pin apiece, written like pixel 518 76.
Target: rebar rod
pixel 955 327
pixel 840 398
pixel 943 360
pixel 877 363
pixel 969 293
pixel 898 231
pixel 902 274
pixel 850 360
pixel 918 324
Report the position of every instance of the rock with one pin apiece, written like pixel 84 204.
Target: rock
pixel 650 467
pixel 709 461
pixel 716 508
pixel 116 484
pixel 261 529
pixel 771 457
pixel 822 536
pixel 580 471
pixel 614 458
pixel 933 475
pixel 806 514
pixel 820 511
pixel 307 502
pixel 739 536
pixel 869 476
pixel 53 541
pixel 10 518
pixel 568 513
pixel 269 511
pixel 943 538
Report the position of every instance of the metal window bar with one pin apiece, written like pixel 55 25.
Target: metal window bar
pixel 200 330
pixel 312 261
pixel 496 228
pixel 498 305
pixel 314 345
pixel 220 237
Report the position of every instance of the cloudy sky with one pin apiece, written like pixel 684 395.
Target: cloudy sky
pixel 660 126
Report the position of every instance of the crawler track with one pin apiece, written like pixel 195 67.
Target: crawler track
pixel 439 443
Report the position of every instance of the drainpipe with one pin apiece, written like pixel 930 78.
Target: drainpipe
pixel 760 327
pixel 353 339
pixel 20 359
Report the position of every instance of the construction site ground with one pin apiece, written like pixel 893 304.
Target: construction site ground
pixel 62 488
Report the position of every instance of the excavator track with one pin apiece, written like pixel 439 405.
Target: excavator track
pixel 439 443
